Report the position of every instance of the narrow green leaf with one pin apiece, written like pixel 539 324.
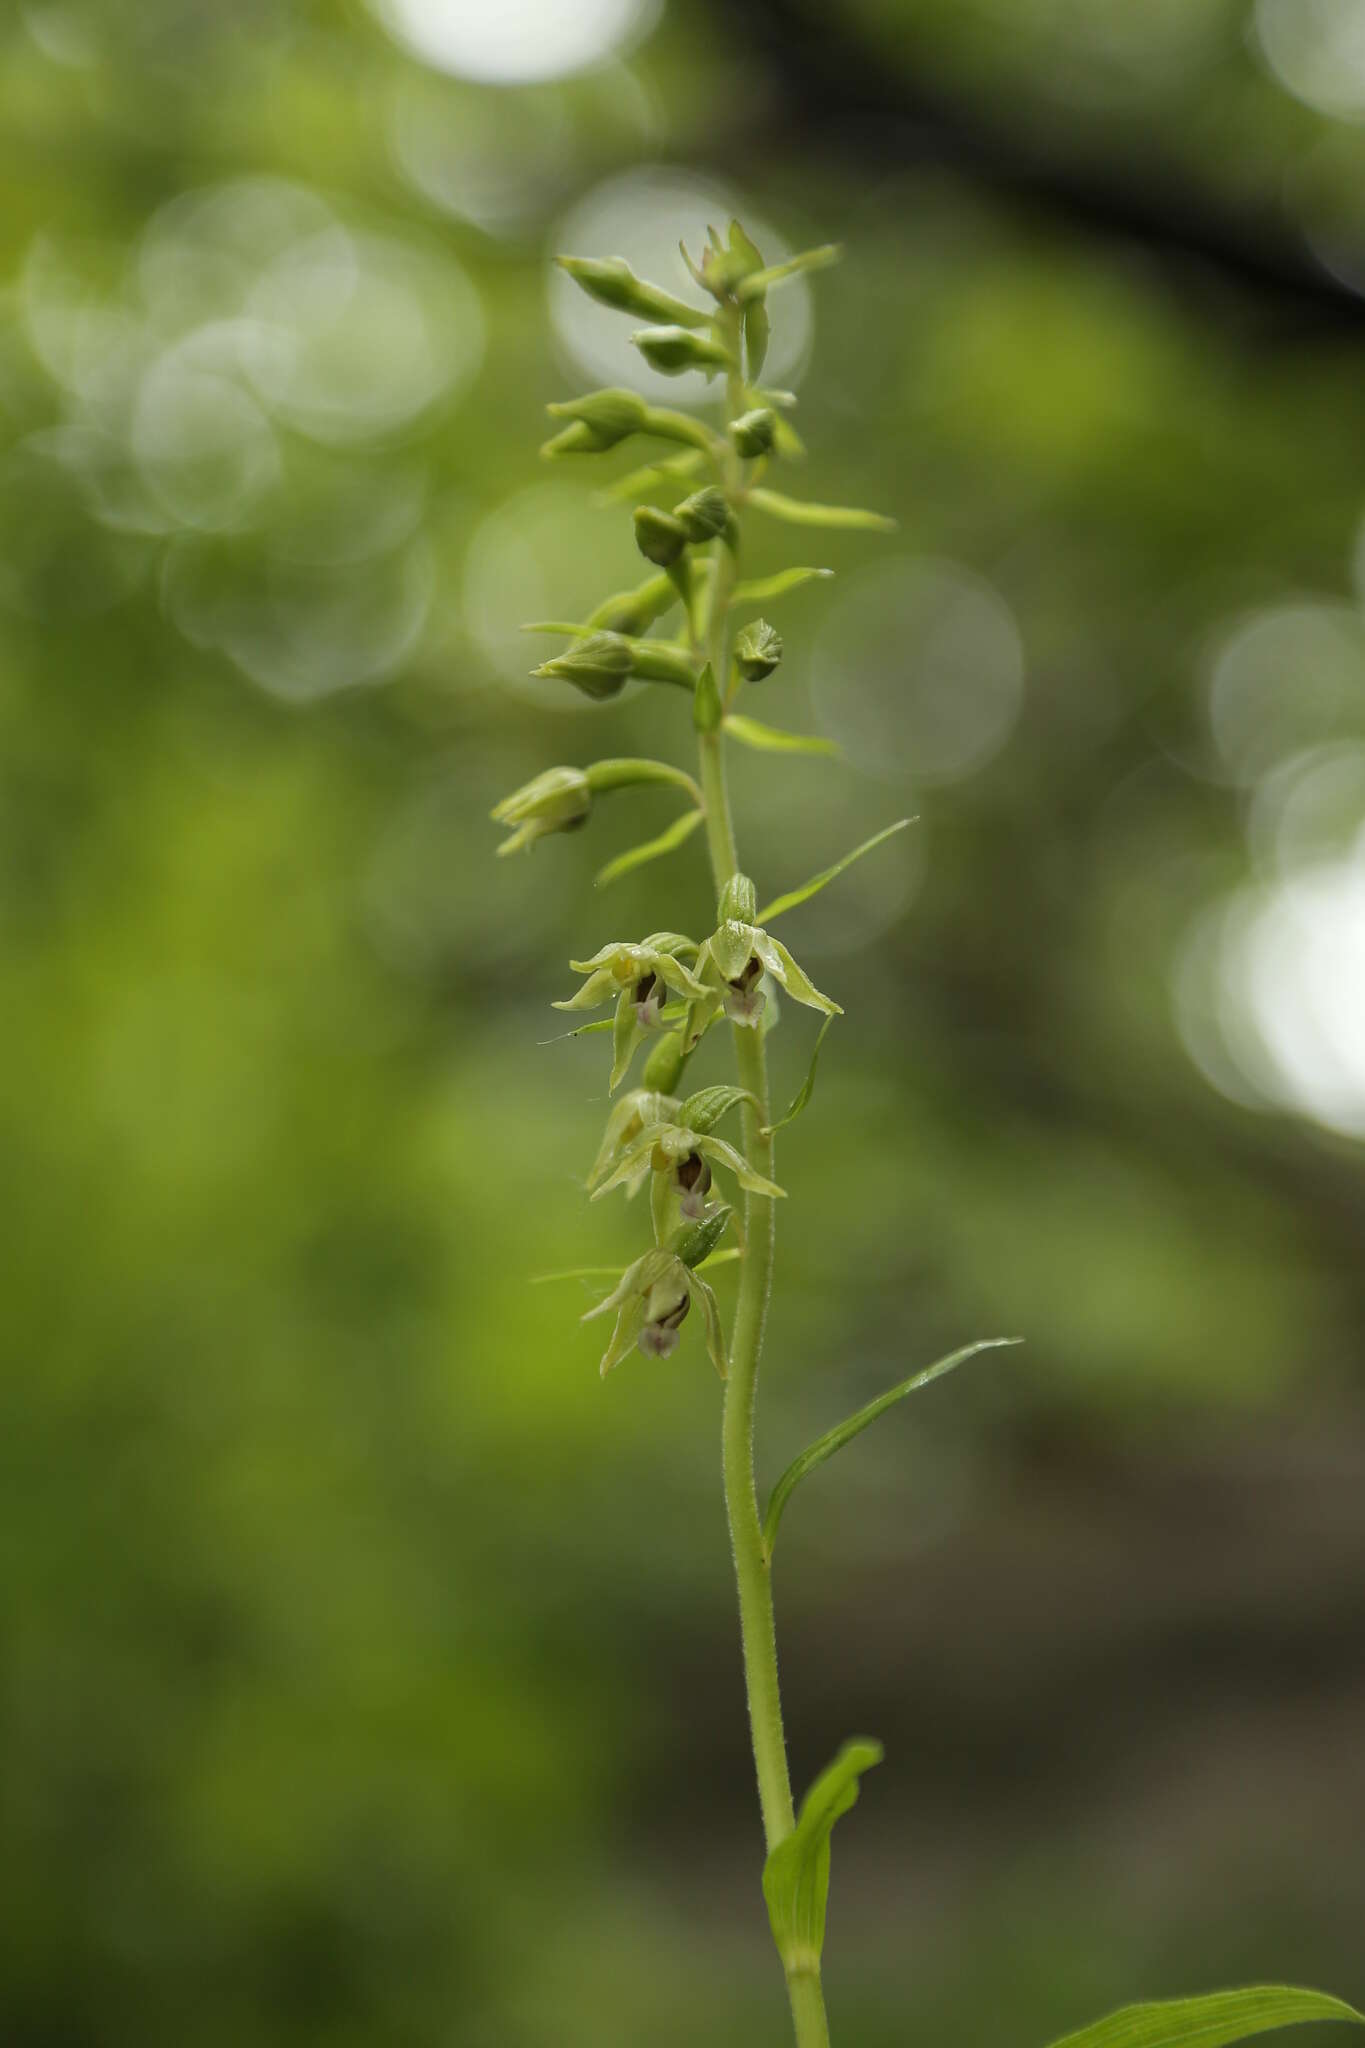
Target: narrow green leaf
pixel 1211 2021
pixel 763 588
pixel 721 1258
pixel 796 1874
pixel 843 1433
pixel 804 1092
pixel 760 281
pixel 757 332
pixel 650 849
pixel 771 739
pixel 801 512
pixel 826 875
pixel 577 1273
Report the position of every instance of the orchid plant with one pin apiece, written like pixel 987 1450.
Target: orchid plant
pixel 711 1199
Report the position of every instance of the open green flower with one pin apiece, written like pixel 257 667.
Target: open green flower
pixel 557 801
pixel 685 1157
pixel 632 1115
pixel 652 1300
pixel 640 977
pixel 738 954
pixel 645 970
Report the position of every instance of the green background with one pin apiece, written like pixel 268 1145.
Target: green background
pixel 368 1672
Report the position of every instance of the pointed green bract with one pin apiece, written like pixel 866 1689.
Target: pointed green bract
pixel 771 739
pixel 807 1088
pixel 765 588
pixel 802 512
pixel 1212 2021
pixel 828 875
pixel 668 841
pixel 796 1874
pixel 843 1433
pixel 760 282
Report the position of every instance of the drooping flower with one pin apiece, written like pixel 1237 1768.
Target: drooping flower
pixel 652 1299
pixel 734 960
pixel 640 977
pixel 557 801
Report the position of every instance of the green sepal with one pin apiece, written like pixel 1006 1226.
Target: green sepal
pixel 792 977
pixel 704 1110
pixel 802 512
pixel 759 282
pixel 796 1874
pixel 771 739
pixel 668 841
pixel 1211 2021
pixel 707 708
pixel 612 282
pixel 807 1088
pixel 827 875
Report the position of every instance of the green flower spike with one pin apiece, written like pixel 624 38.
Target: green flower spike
pixel 652 1300
pixel 557 801
pixel 739 953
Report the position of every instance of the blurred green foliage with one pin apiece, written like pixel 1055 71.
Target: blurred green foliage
pixel 339 1698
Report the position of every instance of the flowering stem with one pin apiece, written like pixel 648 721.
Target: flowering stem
pixel 753 1576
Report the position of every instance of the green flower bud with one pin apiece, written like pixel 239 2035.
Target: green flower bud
pixel 698 1240
pixel 665 1063
pixel 612 282
pixel 704 515
pixel 672 350
pixel 557 801
pixel 754 433
pixel 599 420
pixel 738 901
pixel 758 650
pixel 659 536
pixel 597 665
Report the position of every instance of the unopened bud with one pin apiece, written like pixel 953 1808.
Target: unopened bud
pixel 598 665
pixel 612 282
pixel 754 433
pixel 758 650
pixel 699 1240
pixel 672 350
pixel 598 421
pixel 557 801
pixel 738 901
pixel 704 515
pixel 659 536
pixel 665 1063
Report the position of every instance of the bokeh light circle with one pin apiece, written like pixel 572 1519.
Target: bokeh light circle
pixel 514 42
pixel 918 670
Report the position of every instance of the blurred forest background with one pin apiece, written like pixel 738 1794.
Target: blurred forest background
pixel 368 1672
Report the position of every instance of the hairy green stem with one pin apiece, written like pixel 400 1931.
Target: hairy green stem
pixel 753 1577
